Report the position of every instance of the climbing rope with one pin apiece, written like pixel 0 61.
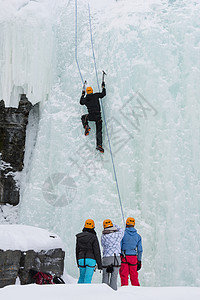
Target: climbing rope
pixel 91 38
pixel 76 58
pixel 76 39
pixel 111 154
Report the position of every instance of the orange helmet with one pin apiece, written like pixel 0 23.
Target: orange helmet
pixel 89 223
pixel 107 223
pixel 89 90
pixel 130 222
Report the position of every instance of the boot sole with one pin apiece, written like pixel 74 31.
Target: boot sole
pixel 88 131
pixel 102 151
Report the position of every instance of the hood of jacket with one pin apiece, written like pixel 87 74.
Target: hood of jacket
pixel 109 230
pixel 85 234
pixel 81 234
pixel 131 230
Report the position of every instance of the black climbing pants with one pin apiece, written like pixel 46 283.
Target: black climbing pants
pixel 96 117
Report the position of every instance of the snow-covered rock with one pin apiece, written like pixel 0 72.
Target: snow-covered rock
pixel 22 237
pixel 23 248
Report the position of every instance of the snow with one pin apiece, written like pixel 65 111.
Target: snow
pixel 21 237
pixel 9 214
pixel 96 291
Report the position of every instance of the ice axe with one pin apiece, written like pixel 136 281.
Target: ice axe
pixel 85 82
pixel 104 73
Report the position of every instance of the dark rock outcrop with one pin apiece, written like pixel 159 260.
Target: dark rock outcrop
pixel 9 266
pixel 18 263
pixel 13 123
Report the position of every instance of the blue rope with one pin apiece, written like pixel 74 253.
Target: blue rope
pixel 95 65
pixel 111 154
pixel 76 38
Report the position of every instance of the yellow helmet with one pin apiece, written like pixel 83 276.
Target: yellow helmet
pixel 89 223
pixel 130 222
pixel 107 223
pixel 89 90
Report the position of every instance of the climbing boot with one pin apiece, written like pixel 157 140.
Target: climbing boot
pixel 100 148
pixel 87 130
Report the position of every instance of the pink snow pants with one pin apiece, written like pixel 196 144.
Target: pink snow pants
pixel 127 270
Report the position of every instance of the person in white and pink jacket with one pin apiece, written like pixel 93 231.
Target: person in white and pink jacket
pixel 111 243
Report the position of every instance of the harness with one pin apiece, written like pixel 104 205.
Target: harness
pixel 126 262
pixel 84 266
pixel 110 268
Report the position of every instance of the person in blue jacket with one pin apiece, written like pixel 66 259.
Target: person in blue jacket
pixel 131 249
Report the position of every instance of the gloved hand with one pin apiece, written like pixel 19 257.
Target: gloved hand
pixel 83 93
pixel 103 85
pixel 139 265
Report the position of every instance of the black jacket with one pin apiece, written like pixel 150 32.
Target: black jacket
pixel 87 246
pixel 92 101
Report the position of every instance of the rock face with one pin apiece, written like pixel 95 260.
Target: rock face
pixel 18 263
pixel 13 123
pixel 9 266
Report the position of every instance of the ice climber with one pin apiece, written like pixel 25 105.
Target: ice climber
pixel 131 247
pixel 111 243
pixel 94 113
pixel 87 252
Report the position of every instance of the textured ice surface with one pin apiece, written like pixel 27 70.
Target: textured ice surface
pixel 26 56
pixel 151 52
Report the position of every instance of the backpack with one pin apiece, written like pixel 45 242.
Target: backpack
pixel 43 278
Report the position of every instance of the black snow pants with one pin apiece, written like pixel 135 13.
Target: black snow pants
pixel 96 117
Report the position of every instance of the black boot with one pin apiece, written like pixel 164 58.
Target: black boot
pixel 87 130
pixel 100 148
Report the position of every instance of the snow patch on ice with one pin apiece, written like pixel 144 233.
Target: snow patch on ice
pixel 9 214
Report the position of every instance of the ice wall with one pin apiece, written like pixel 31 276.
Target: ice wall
pixel 150 50
pixel 26 56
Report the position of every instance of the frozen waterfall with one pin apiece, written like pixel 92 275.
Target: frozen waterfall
pixel 151 53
